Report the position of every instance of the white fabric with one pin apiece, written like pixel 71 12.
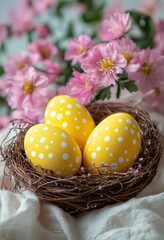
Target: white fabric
pixel 141 218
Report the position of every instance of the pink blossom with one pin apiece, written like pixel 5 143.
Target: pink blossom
pixel 53 70
pixel 2 86
pixel 27 89
pixel 43 31
pixel 149 71
pixel 18 62
pixel 78 48
pixel 160 25
pixel 22 18
pixel 156 99
pixel 103 63
pixel 128 49
pixel 3 32
pixel 4 121
pixel 159 44
pixel 43 49
pixel 115 26
pixel 80 87
pixel 43 5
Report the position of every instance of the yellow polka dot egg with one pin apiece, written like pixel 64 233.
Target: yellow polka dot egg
pixel 69 114
pixel 113 145
pixel 52 148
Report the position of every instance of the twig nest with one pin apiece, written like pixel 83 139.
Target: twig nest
pixel 86 191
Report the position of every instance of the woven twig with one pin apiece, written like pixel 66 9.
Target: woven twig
pixel 83 192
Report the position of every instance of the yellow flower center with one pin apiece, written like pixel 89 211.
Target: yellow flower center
pixel 21 66
pixel 87 84
pixel 157 91
pixel 81 49
pixel 28 87
pixel 45 53
pixel 106 65
pixel 147 68
pixel 128 56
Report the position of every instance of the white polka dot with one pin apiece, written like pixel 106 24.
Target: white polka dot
pixel 77 159
pixel 135 156
pixel 118 114
pixel 63 135
pixel 128 121
pixel 31 139
pixel 63 144
pixel 84 120
pixel 94 155
pixel 36 130
pixel 120 139
pixel 43 139
pixel 69 106
pixel 68 113
pixel 59 116
pixel 78 105
pixel 121 159
pixel 107 139
pixel 111 154
pixel 125 151
pixel 126 128
pixel 89 149
pixel 79 112
pixel 29 134
pixel 53 114
pixel 73 169
pixel 116 130
pixel 134 141
pixel 127 160
pixel 77 127
pixel 52 104
pixel 105 120
pixel 64 124
pixel 58 172
pixel 75 118
pixel 138 134
pixel 107 128
pixel 107 148
pixel 48 121
pixel 47 147
pixel 55 133
pixel 88 141
pixel 50 155
pixel 51 142
pixel 132 131
pixel 37 145
pixel 70 165
pixel 95 134
pixel 61 109
pixel 98 148
pixel 46 113
pixel 120 120
pixel 45 128
pixel 33 154
pixel 65 156
pixel 41 156
pixel 114 166
pixel 62 100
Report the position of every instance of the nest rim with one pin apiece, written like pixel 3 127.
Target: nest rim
pixel 84 192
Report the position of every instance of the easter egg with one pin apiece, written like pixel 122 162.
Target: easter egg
pixel 51 148
pixel 69 114
pixel 113 145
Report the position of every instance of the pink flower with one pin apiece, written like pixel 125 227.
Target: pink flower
pixel 149 71
pixel 2 86
pixel 53 70
pixel 159 44
pixel 156 99
pixel 43 5
pixel 103 63
pixel 27 89
pixel 4 121
pixel 18 62
pixel 43 31
pixel 160 25
pixel 81 87
pixel 43 49
pixel 22 18
pixel 114 27
pixel 3 32
pixel 78 48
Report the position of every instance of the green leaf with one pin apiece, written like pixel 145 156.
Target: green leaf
pixel 70 30
pixel 130 85
pixel 145 24
pixel 104 93
pixel 2 71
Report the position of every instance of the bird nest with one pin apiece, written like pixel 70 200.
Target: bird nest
pixel 84 191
